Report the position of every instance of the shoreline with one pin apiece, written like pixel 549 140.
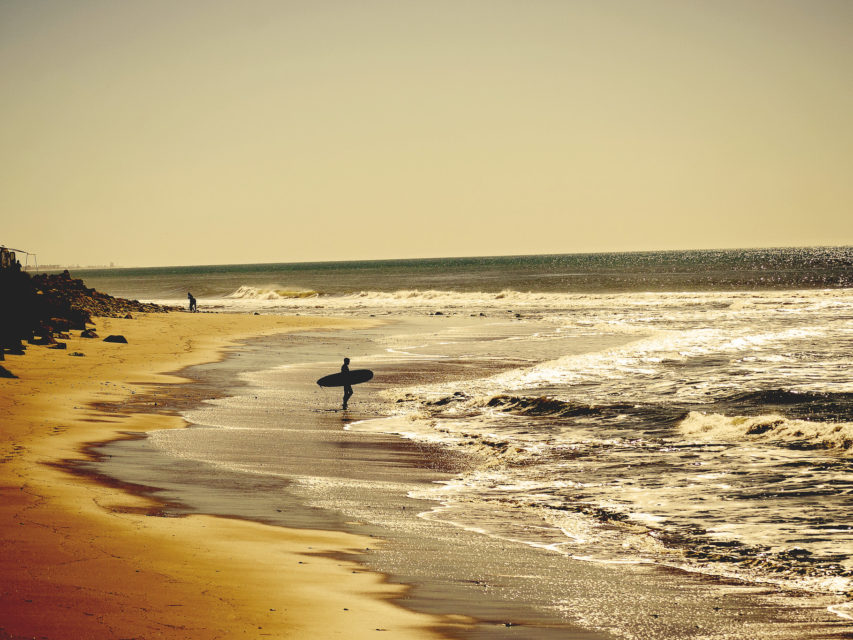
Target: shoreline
pixel 473 587
pixel 239 571
pixel 84 559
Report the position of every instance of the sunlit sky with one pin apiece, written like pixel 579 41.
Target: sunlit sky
pixel 155 132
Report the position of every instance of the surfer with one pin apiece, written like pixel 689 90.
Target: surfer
pixel 347 387
pixel 193 307
pixel 346 379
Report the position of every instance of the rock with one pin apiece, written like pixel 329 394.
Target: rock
pixel 116 338
pixel 128 317
pixel 77 353
pixel 59 345
pixel 71 299
pixel 88 333
pixel 5 373
pixel 60 324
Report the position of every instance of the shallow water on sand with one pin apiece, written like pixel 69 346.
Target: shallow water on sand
pixel 571 517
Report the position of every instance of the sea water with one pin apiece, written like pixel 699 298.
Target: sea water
pixel 685 409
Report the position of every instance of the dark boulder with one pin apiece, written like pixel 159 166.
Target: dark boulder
pixel 59 324
pixel 116 338
pixel 88 333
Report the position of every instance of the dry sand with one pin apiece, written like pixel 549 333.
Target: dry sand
pixel 84 560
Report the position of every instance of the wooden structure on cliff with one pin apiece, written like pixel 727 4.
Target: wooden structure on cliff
pixel 8 258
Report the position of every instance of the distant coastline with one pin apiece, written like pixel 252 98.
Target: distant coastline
pixel 63 267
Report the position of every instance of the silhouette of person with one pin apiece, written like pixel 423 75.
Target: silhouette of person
pixel 347 387
pixel 193 306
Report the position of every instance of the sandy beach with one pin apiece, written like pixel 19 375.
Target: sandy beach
pixel 85 560
pixel 590 266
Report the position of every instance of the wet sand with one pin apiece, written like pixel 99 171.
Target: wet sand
pixel 82 559
pixel 308 471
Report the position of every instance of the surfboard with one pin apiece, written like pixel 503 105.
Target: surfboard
pixel 356 376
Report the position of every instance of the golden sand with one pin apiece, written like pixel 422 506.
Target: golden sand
pixel 84 560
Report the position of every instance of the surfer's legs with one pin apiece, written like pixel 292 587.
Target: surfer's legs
pixel 347 394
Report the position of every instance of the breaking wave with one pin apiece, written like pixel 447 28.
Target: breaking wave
pixel 271 293
pixel 545 406
pixel 814 406
pixel 772 428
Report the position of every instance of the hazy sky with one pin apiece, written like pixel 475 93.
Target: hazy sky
pixel 199 132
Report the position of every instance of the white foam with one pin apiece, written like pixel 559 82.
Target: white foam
pixel 843 610
pixel 576 307
pixel 272 292
pixel 768 428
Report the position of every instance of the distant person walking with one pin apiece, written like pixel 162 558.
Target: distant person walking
pixel 347 387
pixel 193 306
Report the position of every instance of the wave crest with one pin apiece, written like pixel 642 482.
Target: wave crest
pixel 814 406
pixel 271 293
pixel 772 428
pixel 543 406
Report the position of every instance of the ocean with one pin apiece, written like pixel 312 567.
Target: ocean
pixel 627 417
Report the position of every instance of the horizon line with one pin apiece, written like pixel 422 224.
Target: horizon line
pixel 53 267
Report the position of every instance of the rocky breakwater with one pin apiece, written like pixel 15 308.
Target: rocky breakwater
pixel 72 299
pixel 44 307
